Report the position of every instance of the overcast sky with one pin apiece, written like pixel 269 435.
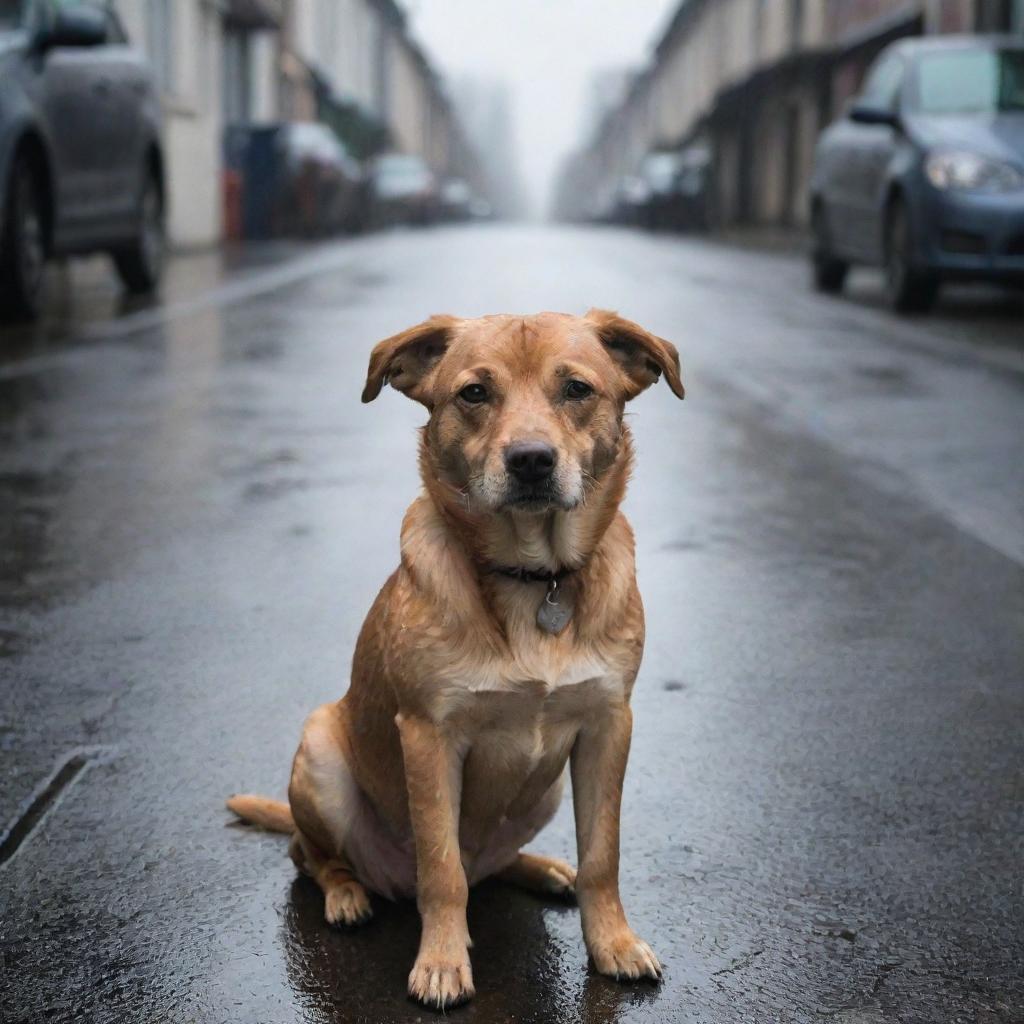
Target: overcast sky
pixel 546 50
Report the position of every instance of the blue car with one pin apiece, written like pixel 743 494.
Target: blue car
pixel 81 168
pixel 924 176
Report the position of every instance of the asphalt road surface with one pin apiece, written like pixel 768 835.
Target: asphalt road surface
pixel 824 810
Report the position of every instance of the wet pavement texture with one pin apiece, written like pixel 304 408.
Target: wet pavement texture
pixel 824 810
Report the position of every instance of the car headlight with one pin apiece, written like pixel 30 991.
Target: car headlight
pixel 972 172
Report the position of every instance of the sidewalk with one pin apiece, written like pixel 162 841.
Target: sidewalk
pixel 85 302
pixel 87 291
pixel 785 241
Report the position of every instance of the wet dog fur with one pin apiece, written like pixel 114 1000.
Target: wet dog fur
pixel 448 752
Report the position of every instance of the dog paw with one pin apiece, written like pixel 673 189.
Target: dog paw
pixel 625 957
pixel 560 878
pixel 347 904
pixel 439 983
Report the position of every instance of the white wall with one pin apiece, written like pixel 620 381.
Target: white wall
pixel 192 119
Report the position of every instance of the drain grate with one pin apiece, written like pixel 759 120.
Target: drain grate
pixel 68 769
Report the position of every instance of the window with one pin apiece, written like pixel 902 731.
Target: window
pixel 970 82
pixel 236 77
pixel 882 89
pixel 999 16
pixel 12 14
pixel 796 23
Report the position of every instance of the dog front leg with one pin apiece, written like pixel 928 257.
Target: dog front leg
pixel 442 975
pixel 599 758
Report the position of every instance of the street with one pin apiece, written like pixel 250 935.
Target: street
pixel 824 808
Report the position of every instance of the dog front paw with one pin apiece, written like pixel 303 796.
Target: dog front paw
pixel 624 956
pixel 441 982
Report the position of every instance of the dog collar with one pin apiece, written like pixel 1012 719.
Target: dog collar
pixel 555 611
pixel 517 572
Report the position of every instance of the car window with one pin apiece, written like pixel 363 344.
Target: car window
pixel 970 82
pixel 115 31
pixel 13 14
pixel 882 89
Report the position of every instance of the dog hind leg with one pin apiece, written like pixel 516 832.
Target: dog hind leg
pixel 346 901
pixel 541 874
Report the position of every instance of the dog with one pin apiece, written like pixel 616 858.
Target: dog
pixel 504 646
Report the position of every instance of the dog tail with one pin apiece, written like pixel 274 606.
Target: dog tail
pixel 273 815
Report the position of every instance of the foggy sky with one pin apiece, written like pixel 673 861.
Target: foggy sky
pixel 546 50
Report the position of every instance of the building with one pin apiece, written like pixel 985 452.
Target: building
pixel 349 63
pixel 755 81
pixel 371 80
pixel 184 42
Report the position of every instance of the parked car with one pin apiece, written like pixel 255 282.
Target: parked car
pixel 81 167
pixel 403 190
pixel 628 204
pixel 455 197
pixel 675 190
pixel 659 171
pixel 694 187
pixel 925 173
pixel 322 185
pixel 480 209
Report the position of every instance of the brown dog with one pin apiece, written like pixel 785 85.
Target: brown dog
pixel 505 644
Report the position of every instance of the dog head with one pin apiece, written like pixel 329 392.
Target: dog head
pixel 525 412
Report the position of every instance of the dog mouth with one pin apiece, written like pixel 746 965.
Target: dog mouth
pixel 536 499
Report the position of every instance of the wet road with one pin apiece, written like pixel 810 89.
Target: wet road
pixel 824 815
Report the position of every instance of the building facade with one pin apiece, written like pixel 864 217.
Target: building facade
pixel 755 81
pixel 184 42
pixel 350 63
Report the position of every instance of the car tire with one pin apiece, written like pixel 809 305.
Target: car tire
pixel 23 246
pixel 908 288
pixel 140 263
pixel 828 272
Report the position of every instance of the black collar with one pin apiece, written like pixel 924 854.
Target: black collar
pixel 523 575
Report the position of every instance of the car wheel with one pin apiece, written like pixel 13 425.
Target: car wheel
pixel 23 246
pixel 140 263
pixel 829 273
pixel 909 289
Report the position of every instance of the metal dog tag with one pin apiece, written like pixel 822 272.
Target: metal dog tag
pixel 555 610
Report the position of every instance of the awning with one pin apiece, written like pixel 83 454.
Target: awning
pixel 363 133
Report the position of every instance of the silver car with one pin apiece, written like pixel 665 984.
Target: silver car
pixel 81 167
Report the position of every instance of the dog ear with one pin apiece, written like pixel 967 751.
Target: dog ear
pixel 642 356
pixel 405 360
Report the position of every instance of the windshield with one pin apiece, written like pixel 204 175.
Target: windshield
pixel 660 169
pixel 11 14
pixel 399 166
pixel 970 82
pixel 403 173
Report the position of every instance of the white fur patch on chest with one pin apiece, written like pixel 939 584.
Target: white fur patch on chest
pixel 528 670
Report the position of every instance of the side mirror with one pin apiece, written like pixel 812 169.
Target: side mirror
pixel 863 114
pixel 80 26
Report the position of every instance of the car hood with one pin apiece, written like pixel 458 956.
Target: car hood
pixel 995 135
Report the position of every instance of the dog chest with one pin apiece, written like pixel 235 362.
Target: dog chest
pixel 528 688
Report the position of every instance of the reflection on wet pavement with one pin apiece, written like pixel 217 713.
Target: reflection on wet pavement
pixel 823 809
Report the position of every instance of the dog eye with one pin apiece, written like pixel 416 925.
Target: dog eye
pixel 578 389
pixel 474 394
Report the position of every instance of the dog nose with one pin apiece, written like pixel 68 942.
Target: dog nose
pixel 530 462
